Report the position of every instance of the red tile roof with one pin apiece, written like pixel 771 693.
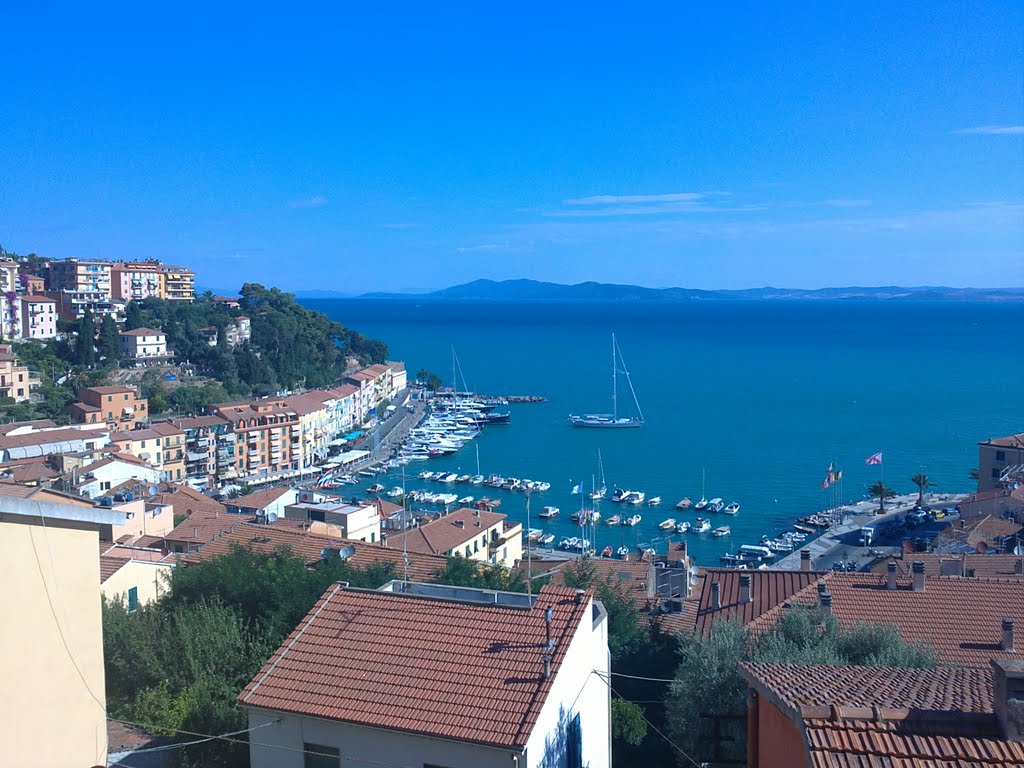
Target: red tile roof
pixel 444 534
pixel 204 525
pixel 874 717
pixel 965 564
pixel 635 578
pixel 309 546
pixel 393 661
pixel 769 588
pixel 110 565
pixel 971 639
pixel 259 499
pixel 142 332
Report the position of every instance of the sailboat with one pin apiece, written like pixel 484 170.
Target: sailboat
pixel 477 479
pixel 703 499
pixel 612 420
pixel 600 493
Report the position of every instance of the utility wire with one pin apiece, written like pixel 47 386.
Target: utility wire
pixel 181 744
pixel 637 677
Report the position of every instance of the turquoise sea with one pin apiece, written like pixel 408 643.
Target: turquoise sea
pixel 761 395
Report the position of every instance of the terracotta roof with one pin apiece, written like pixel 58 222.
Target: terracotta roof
pixel 632 577
pixel 142 332
pixel 309 546
pixel 768 589
pixel 345 390
pixel 974 533
pixel 204 525
pixel 6 429
pixel 444 534
pixel 392 661
pixel 965 564
pixel 110 565
pixel 32 472
pixel 877 717
pixel 1010 441
pixel 198 422
pixel 34 299
pixel 111 390
pixel 308 402
pixel 972 639
pixel 386 509
pixel 260 499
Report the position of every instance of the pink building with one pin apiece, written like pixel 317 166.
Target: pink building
pixel 38 317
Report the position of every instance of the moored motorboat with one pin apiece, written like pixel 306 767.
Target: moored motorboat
pixel 701 504
pixel 632 520
pixel 716 505
pixel 732 509
pixel 395 492
pixel 686 503
pixel 534 534
pixel 547 540
pixel 637 497
pixel 606 552
pixel 682 527
pixel 667 525
pixel 621 495
pixel 700 525
pixel 613 520
pixel 375 488
pixel 654 501
pixel 720 531
pixel 466 500
pixel 549 512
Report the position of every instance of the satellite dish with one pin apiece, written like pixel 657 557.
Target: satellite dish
pixel 694 581
pixel 1018 550
pixel 271 518
pixel 153 490
pixel 346 552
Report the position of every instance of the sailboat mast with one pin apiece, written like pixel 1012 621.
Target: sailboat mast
pixel 629 381
pixel 615 398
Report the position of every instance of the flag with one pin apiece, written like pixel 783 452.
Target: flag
pixel 831 477
pixel 824 484
pixel 875 459
pixel 839 475
pixel 830 464
pixel 577 489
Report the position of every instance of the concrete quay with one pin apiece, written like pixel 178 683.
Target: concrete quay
pixel 842 543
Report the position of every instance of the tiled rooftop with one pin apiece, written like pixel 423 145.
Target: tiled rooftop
pixel 444 534
pixel 999 565
pixel 259 499
pixel 960 619
pixel 309 546
pixel 393 661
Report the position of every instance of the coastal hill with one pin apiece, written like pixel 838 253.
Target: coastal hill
pixel 534 290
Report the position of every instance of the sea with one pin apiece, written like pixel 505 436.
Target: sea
pixel 750 401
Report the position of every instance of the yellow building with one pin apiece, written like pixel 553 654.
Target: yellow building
pixel 161 445
pixel 53 711
pixel 268 436
pixel 480 535
pixel 134 575
pixel 177 283
pixel 16 382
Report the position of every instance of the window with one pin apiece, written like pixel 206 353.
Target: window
pixel 133 598
pixel 469 552
pixel 476 546
pixel 1000 455
pixel 574 744
pixel 319 756
pixel 105 485
pixel 995 473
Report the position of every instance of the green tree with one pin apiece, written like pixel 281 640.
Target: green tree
pixel 109 344
pixel 133 316
pixel 923 483
pixel 628 722
pixel 463 572
pixel 431 380
pixel 85 343
pixel 706 702
pixel 156 394
pixel 881 491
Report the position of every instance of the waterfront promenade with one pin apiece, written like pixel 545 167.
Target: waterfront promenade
pixel 842 543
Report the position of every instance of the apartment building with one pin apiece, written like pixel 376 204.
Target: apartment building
pixel 202 434
pixel 518 684
pixel 1000 462
pixel 136 280
pixel 268 436
pixel 121 408
pixel 177 283
pixel 374 384
pixel 10 303
pixel 480 535
pixel 79 285
pixel 33 443
pixel 38 317
pixel 358 522
pixel 145 346
pixel 16 382
pixel 53 711
pixel 239 331
pixel 161 445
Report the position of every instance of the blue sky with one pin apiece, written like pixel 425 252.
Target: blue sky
pixel 414 146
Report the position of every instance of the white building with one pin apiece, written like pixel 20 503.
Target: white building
pixel 96 479
pixel 424 674
pixel 38 317
pixel 145 345
pixel 360 522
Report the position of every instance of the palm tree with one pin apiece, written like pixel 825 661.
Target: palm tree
pixel 923 484
pixel 882 492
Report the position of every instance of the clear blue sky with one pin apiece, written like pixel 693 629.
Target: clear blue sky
pixel 413 146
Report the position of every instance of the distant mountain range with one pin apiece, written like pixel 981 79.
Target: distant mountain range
pixel 534 290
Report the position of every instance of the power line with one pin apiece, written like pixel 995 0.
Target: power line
pixel 655 728
pixel 181 744
pixel 637 677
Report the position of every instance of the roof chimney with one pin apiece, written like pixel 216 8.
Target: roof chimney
pixel 805 559
pixel 891 575
pixel 1007 644
pixel 1008 696
pixel 822 589
pixel 745 596
pixel 918 575
pixel 826 605
pixel 460 523
pixel 580 593
pixel 1018 567
pixel 548 615
pixel 716 595
pixel 195 532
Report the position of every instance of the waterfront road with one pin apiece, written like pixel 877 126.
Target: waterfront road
pixel 842 544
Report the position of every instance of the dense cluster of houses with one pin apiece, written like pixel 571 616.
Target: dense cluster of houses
pixel 417 673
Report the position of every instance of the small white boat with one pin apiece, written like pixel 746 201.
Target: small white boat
pixel 632 520
pixel 466 500
pixel 667 525
pixel 476 480
pixel 540 486
pixel 716 505
pixel 621 495
pixel 547 540
pixel 686 503
pixel 534 534
pixel 375 488
pixel 700 525
pixel 600 493
pixel 426 475
pixel 720 531
pixel 462 479
pixel 654 501
pixel 395 492
pixel 549 512
pixel 622 551
pixel 637 498
pixel 449 478
pixel 570 542
pixel 732 509
pixel 613 520
pixel 683 527
pixel 701 504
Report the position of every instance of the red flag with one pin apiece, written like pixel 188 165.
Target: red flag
pixel 875 459
pixel 824 484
